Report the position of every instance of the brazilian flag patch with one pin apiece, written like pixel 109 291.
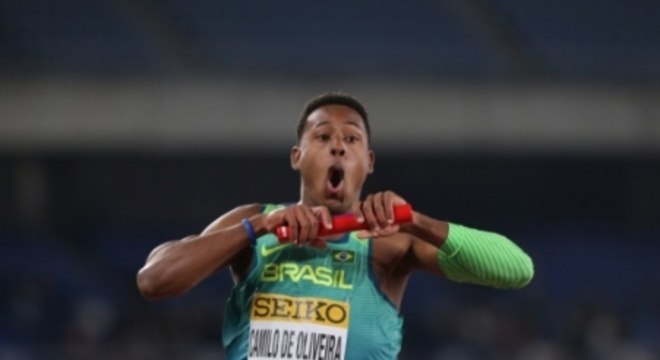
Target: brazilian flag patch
pixel 343 256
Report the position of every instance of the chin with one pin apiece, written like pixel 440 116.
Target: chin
pixel 336 206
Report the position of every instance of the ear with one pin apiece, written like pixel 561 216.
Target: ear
pixel 372 161
pixel 295 158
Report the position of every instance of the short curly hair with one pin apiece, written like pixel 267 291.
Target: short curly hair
pixel 332 98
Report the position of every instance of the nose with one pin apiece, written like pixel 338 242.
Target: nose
pixel 337 152
pixel 337 148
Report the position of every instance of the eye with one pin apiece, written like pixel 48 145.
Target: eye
pixel 351 138
pixel 323 137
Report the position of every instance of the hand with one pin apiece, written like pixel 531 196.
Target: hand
pixel 303 222
pixel 377 210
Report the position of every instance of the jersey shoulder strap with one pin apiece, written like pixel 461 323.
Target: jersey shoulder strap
pixel 266 208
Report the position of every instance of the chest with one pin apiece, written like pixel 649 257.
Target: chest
pixel 335 269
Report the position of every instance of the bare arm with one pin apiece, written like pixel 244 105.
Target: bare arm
pixel 176 266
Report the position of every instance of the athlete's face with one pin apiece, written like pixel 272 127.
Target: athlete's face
pixel 333 158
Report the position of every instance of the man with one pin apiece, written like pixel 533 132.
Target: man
pixel 333 297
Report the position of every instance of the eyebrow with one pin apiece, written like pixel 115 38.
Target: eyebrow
pixel 350 122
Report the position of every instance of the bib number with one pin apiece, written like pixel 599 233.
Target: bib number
pixel 284 327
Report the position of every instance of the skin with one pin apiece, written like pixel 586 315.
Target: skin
pixel 334 135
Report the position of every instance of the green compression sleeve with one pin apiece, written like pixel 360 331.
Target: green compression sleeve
pixel 484 258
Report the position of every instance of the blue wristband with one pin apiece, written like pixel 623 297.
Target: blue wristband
pixel 252 236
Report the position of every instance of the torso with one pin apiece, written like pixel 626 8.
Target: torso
pixel 272 300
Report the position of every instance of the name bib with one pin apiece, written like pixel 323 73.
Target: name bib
pixel 285 327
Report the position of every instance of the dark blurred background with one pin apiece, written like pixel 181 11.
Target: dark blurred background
pixel 124 124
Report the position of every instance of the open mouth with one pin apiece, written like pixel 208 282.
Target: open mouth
pixel 335 178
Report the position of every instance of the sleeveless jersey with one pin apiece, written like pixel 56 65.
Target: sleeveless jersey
pixel 311 303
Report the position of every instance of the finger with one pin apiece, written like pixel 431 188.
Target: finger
pixel 390 199
pixel 313 224
pixel 303 225
pixel 323 213
pixel 389 230
pixel 368 212
pixel 379 210
pixel 290 219
pixel 357 212
pixel 364 234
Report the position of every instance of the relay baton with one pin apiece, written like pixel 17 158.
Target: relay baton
pixel 348 222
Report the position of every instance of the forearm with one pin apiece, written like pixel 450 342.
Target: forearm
pixel 470 255
pixel 175 267
pixel 484 258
